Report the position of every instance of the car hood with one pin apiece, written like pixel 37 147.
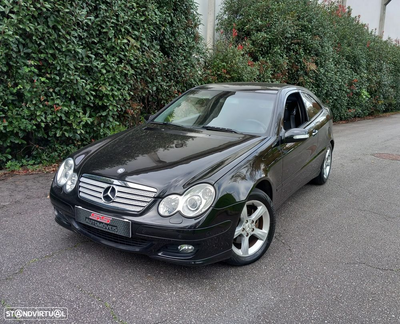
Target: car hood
pixel 167 157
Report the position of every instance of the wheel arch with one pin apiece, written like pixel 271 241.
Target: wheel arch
pixel 266 187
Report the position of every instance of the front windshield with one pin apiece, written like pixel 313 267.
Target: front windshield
pixel 239 111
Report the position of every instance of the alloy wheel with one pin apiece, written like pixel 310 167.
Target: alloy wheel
pixel 327 163
pixel 252 230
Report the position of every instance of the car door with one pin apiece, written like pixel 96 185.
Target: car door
pixel 318 119
pixel 298 158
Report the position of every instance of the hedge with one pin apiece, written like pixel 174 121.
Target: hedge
pixel 74 71
pixel 318 46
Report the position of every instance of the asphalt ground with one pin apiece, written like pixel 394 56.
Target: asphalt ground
pixel 335 257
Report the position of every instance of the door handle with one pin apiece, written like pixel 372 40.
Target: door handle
pixel 314 132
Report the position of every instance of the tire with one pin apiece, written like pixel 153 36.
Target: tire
pixel 326 167
pixel 254 231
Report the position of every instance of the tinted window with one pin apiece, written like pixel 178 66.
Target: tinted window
pixel 242 111
pixel 294 115
pixel 312 107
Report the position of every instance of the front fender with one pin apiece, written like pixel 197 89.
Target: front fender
pixel 236 185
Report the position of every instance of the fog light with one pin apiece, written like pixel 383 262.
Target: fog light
pixel 186 248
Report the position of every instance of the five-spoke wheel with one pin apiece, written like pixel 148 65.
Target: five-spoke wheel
pixel 254 231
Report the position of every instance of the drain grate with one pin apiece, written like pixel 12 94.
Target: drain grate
pixel 387 156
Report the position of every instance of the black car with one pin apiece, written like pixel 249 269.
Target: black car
pixel 199 182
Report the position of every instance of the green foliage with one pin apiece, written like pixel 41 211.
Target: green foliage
pixel 229 62
pixel 13 165
pixel 72 71
pixel 319 46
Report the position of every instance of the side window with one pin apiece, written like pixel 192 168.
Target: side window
pixel 312 107
pixel 294 115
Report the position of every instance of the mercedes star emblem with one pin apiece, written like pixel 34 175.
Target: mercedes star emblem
pixel 109 194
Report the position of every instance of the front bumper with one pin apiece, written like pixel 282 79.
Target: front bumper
pixel 211 243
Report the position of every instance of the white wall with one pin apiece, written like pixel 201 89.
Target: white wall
pixel 392 23
pixel 203 10
pixel 369 10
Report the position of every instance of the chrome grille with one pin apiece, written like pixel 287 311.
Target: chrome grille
pixel 129 196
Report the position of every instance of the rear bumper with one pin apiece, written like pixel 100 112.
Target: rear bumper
pixel 211 244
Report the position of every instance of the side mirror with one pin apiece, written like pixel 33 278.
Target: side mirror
pixel 294 135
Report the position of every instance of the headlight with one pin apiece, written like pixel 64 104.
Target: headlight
pixel 169 205
pixel 194 201
pixel 66 176
pixel 71 183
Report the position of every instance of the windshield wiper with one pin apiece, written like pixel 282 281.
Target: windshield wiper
pixel 219 129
